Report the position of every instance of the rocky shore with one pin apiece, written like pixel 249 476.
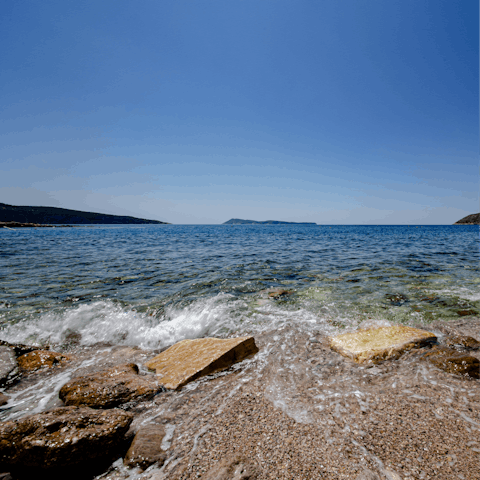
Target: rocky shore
pixel 14 225
pixel 382 403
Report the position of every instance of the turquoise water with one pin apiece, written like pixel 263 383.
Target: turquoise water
pixel 150 285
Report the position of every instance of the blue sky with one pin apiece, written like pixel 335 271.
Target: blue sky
pixel 332 111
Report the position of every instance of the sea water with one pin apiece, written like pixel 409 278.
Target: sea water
pixel 122 293
pixel 152 285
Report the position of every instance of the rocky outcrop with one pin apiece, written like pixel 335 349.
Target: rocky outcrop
pixel 62 437
pixel 110 388
pixel 452 361
pixel 191 359
pixel 8 365
pixel 378 344
pixel 473 219
pixel 146 448
pixel 40 359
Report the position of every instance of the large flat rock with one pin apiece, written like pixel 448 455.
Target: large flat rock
pixel 377 344
pixel 190 359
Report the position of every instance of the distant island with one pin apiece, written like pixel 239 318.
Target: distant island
pixel 56 216
pixel 473 219
pixel 238 221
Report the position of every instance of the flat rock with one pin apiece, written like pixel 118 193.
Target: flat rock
pixel 110 388
pixel 146 448
pixel 8 364
pixel 40 359
pixel 233 468
pixel 452 361
pixel 378 344
pixel 190 359
pixel 65 436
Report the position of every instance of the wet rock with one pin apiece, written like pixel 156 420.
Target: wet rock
pixel 461 341
pixel 3 399
pixel 279 292
pixel 62 437
pixel 190 359
pixel 233 468
pixel 110 388
pixel 21 349
pixel 8 365
pixel 377 344
pixel 37 359
pixel 451 361
pixel 465 332
pixel 146 448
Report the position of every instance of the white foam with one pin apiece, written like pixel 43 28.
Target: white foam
pixel 105 321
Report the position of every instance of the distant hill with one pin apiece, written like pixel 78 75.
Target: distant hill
pixel 55 216
pixel 473 219
pixel 238 221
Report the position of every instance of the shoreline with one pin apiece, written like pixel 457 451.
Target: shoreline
pixel 297 409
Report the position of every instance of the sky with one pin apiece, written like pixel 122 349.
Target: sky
pixel 196 112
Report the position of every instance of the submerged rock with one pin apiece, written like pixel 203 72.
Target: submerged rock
pixel 110 388
pixel 146 448
pixel 451 361
pixel 190 359
pixel 279 292
pixel 37 359
pixel 8 365
pixel 65 436
pixel 377 344
pixel 233 468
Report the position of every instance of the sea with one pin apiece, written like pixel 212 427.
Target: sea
pixel 114 293
pixel 153 285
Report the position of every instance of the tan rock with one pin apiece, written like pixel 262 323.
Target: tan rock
pixel 3 399
pixel 451 361
pixel 190 359
pixel 38 359
pixel 110 388
pixel 146 448
pixel 279 292
pixel 377 344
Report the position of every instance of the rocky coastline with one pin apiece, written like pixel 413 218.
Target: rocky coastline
pixel 473 219
pixel 14 225
pixel 382 403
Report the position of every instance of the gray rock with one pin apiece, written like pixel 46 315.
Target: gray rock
pixel 146 448
pixel 8 365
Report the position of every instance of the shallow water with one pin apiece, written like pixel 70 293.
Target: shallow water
pixel 153 285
